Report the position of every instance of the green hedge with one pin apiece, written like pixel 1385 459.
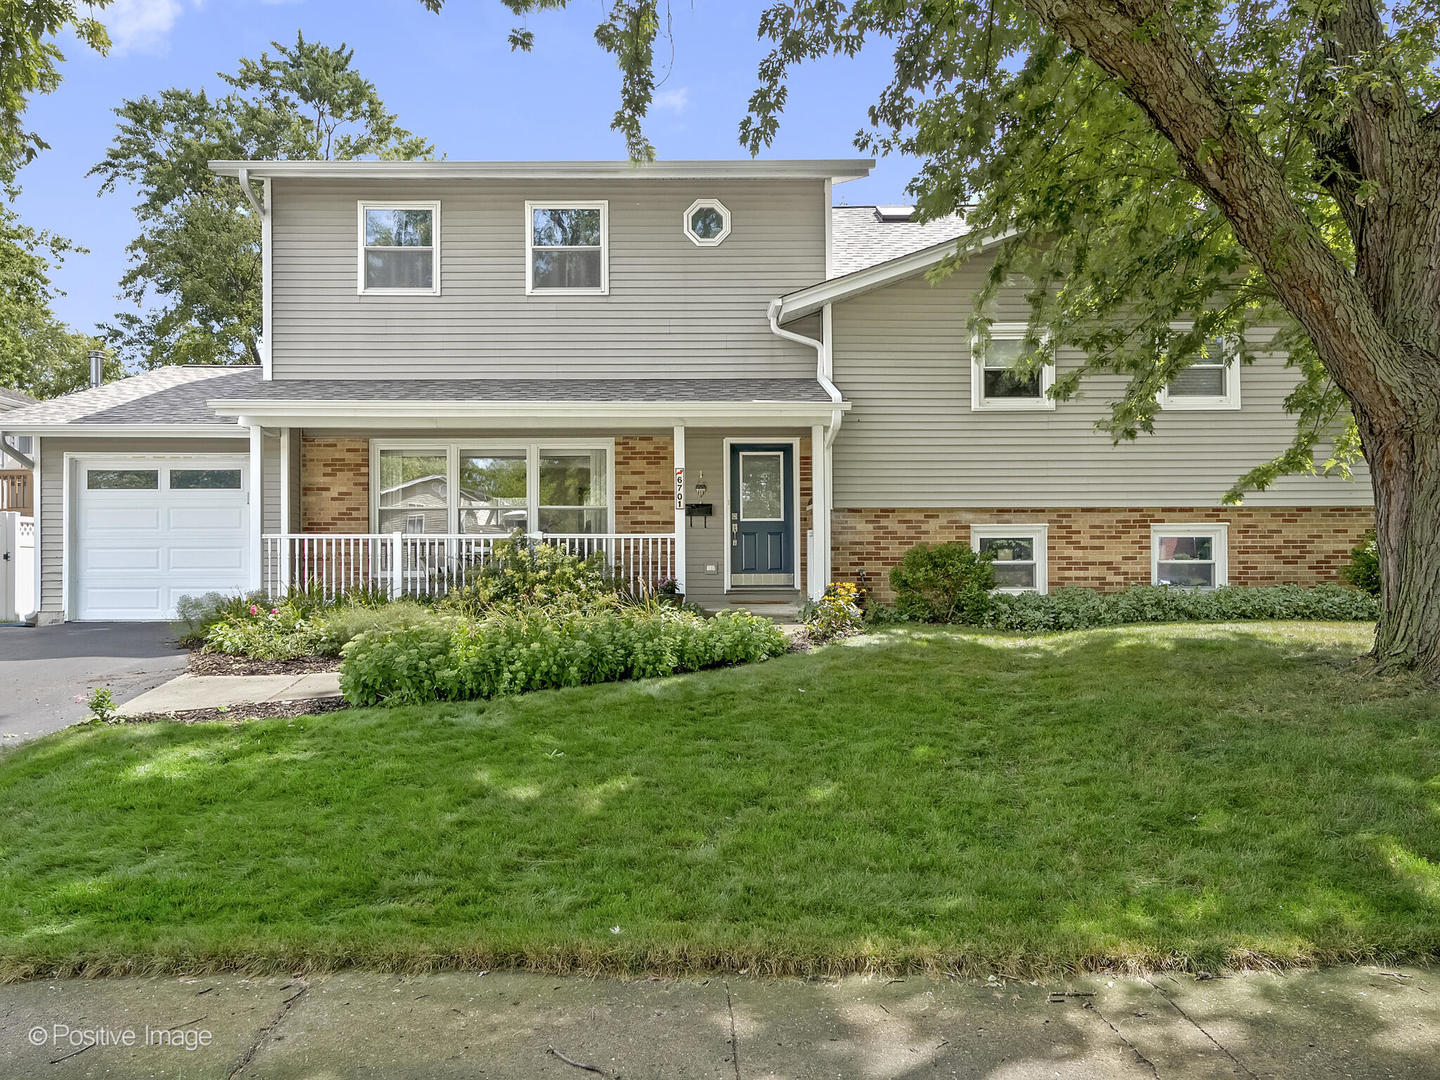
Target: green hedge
pixel 454 659
pixel 1077 609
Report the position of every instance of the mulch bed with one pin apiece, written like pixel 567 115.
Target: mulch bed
pixel 236 713
pixel 218 664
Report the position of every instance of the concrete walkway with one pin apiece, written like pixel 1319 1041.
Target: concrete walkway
pixel 223 691
pixel 1359 1023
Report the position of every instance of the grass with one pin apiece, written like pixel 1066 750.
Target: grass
pixel 1179 796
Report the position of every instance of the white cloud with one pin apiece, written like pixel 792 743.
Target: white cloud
pixel 676 101
pixel 142 25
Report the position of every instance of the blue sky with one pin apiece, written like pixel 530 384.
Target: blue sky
pixel 449 77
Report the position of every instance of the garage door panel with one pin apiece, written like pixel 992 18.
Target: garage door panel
pixel 106 557
pixel 139 550
pixel 183 559
pixel 206 518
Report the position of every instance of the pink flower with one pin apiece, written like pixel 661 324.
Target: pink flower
pixel 254 610
pixel 80 699
pixel 274 611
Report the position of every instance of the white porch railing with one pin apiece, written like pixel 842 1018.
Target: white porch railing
pixel 415 565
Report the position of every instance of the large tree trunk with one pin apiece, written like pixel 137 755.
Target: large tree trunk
pixel 1405 472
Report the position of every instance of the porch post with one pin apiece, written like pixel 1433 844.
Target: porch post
pixel 819 564
pixel 257 503
pixel 679 442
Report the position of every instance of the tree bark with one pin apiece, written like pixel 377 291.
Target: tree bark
pixel 1377 328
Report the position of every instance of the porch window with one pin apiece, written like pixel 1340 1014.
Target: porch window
pixel 399 248
pixel 414 489
pixel 573 495
pixel 566 248
pixel 1189 556
pixel 1018 553
pixel 478 490
pixel 994 382
pixel 494 493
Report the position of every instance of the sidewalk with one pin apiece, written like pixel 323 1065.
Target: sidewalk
pixel 1342 1022
pixel 189 692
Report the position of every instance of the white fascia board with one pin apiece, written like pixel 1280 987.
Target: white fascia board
pixel 444 414
pixel 813 297
pixel 138 431
pixel 836 169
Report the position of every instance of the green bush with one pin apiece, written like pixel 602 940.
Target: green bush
pixel 1364 569
pixel 943 583
pixel 1079 609
pixel 275 632
pixel 341 625
pixel 455 659
pixel 195 615
pixel 519 574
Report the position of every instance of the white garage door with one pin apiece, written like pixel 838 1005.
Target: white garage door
pixel 149 532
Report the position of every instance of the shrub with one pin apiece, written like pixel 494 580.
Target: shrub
pixel 521 574
pixel 1364 569
pixel 455 659
pixel 341 625
pixel 835 615
pixel 943 583
pixel 195 615
pixel 1078 609
pixel 278 632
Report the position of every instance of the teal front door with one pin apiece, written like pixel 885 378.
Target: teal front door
pixel 762 514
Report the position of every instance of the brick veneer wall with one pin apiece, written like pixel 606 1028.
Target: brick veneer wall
pixel 644 484
pixel 334 485
pixel 1110 548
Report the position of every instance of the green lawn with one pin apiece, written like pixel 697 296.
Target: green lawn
pixel 1182 795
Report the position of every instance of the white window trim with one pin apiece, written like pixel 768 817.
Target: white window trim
pixel 1219 533
pixel 1229 401
pixel 451 448
pixel 1039 534
pixel 382 204
pixel 713 204
pixel 531 206
pixel 978 401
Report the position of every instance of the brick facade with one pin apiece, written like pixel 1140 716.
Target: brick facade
pixel 1110 548
pixel 334 485
pixel 644 484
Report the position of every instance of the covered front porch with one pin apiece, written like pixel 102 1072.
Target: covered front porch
pixel 727 510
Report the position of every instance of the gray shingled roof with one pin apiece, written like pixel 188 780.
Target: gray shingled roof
pixel 180 395
pixel 861 239
pixel 534 390
pixel 13 399
pixel 167 395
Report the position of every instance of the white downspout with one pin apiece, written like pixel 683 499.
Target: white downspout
pixel 823 369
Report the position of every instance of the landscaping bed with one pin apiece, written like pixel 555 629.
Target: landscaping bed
pixel 203 663
pixel 925 798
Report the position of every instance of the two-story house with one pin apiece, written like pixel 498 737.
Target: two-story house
pixel 703 369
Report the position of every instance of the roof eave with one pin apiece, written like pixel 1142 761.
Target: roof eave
pixel 812 298
pixel 82 429
pixel 838 170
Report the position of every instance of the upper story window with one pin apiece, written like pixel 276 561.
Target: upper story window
pixel 994 384
pixel 707 222
pixel 400 248
pixel 1212 381
pixel 567 248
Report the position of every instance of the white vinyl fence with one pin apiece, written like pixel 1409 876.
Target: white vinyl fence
pixel 17 567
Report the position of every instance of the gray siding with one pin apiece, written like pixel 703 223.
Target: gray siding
pixel 674 309
pixel 902 357
pixel 50 460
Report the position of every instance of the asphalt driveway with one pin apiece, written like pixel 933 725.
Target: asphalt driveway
pixel 44 668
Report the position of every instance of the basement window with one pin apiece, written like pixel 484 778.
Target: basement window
pixel 1189 556
pixel 1018 553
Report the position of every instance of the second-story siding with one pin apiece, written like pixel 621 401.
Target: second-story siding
pixel 902 358
pixel 673 309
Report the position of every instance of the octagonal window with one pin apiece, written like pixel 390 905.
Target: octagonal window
pixel 707 222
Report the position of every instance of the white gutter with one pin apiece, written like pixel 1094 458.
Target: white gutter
pixel 78 430
pixel 838 170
